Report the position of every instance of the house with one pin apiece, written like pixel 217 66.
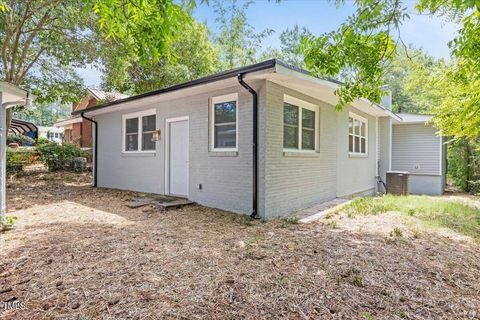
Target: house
pixel 78 131
pixel 54 134
pixel 264 139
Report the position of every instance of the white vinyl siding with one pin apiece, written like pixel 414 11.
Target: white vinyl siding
pixel 416 149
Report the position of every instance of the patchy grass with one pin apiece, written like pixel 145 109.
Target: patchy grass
pixel 454 215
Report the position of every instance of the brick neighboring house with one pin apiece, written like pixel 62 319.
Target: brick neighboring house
pixel 79 131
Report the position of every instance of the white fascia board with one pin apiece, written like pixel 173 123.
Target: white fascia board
pixel 67 122
pixel 364 105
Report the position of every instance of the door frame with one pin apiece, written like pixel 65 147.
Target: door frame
pixel 168 121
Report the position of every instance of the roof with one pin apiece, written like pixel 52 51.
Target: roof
pixel 105 95
pixel 51 129
pixel 67 122
pixel 272 66
pixel 13 95
pixel 20 127
pixel 215 77
pixel 414 118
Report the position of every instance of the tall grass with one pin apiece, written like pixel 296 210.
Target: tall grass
pixel 450 214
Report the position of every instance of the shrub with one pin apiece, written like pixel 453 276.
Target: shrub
pixel 18 159
pixel 58 156
pixel 20 139
pixel 42 140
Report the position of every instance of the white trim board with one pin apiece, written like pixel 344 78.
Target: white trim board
pixel 167 153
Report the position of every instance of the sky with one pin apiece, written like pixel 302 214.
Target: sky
pixel 319 16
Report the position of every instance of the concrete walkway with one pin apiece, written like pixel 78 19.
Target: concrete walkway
pixel 318 211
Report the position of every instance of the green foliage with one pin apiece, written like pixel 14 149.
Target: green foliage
pixel 358 51
pixel 396 232
pixel 406 77
pixel 56 156
pixel 20 139
pixel 362 48
pixel 464 164
pixel 42 141
pixel 239 43
pixel 17 159
pixel 367 315
pixel 290 44
pixel 43 114
pixel 455 215
pixel 147 27
pixel 39 53
pixel 194 56
pixel 7 222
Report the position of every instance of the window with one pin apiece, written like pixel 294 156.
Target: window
pixel 300 125
pixel 357 135
pixel 223 119
pixel 139 131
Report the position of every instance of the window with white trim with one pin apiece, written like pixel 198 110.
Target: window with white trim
pixel 357 135
pixel 223 122
pixel 300 125
pixel 139 131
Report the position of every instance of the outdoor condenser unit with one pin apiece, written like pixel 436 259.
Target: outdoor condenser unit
pixel 397 182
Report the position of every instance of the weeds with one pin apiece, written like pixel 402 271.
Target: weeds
pixel 289 221
pixel 358 281
pixel 366 315
pixel 397 232
pixel 434 211
pixel 7 222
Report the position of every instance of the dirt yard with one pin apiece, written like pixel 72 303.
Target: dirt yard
pixel 80 253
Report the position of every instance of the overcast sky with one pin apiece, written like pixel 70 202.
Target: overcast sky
pixel 319 16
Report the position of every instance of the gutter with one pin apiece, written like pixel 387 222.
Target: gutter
pixel 254 214
pixel 95 148
pixel 215 77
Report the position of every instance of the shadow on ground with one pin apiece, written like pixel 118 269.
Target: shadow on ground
pixel 197 262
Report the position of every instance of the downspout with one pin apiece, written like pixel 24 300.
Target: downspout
pixel 95 148
pixel 254 214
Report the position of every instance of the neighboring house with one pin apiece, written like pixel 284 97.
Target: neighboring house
pixel 196 140
pixel 54 134
pixel 76 129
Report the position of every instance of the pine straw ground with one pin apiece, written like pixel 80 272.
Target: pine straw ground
pixel 80 253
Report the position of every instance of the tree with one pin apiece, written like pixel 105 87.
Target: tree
pixel 290 44
pixel 406 76
pixel 367 42
pixel 239 43
pixel 44 114
pixel 41 43
pixel 148 27
pixel 193 56
pixel 44 40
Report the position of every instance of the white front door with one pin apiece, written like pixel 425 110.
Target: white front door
pixel 177 156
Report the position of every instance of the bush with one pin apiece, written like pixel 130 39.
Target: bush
pixel 464 164
pixel 20 139
pixel 42 140
pixel 18 159
pixel 59 156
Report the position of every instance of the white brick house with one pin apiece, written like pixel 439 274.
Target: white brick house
pixel 263 138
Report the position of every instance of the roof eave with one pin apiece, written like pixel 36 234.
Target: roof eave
pixel 215 77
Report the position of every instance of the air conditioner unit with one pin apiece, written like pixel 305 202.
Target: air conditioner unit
pixel 397 182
